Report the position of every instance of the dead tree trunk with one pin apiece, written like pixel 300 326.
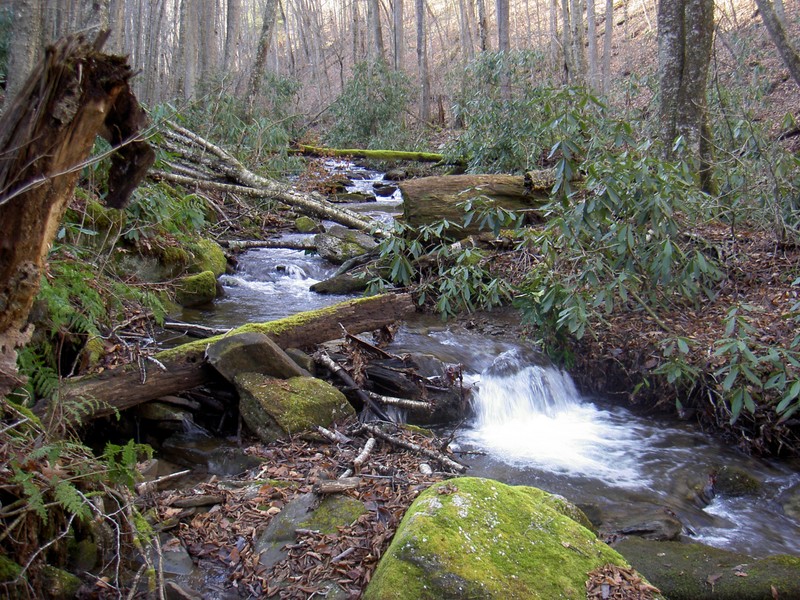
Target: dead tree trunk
pixel 46 135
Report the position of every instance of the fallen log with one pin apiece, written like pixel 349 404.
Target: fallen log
pixel 185 367
pixel 388 155
pixel 430 199
pixel 326 361
pixel 307 244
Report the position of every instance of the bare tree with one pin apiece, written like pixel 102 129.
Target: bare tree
pixel 607 40
pixel 375 31
pixel 483 25
pixel 398 34
pixel 264 41
pixel 591 31
pixel 24 43
pixel 422 64
pixel 233 20
pixel 685 36
pixel 774 24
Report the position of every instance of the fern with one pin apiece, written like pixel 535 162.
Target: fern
pixel 72 500
pixel 30 490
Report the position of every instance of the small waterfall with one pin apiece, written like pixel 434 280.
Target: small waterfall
pixel 530 413
pixel 513 388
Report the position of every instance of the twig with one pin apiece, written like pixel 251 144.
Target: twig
pixel 149 486
pixel 416 405
pixel 326 361
pixel 437 456
pixel 364 454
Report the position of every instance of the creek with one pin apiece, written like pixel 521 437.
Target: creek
pixel 531 426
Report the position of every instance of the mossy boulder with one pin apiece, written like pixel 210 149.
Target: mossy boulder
pixel 196 290
pixel 478 538
pixel 59 584
pixel 9 570
pixel 697 572
pixel 345 283
pixel 339 244
pixel 251 353
pixel 206 255
pixel 306 225
pixel 277 408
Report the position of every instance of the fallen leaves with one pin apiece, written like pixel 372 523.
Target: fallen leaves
pixel 611 582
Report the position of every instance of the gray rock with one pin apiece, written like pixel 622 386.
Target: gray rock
pixel 252 353
pixel 341 284
pixel 651 524
pixel 340 244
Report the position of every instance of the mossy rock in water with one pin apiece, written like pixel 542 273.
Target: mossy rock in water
pixel 478 538
pixel 196 290
pixel 306 225
pixel 697 572
pixel 733 482
pixel 339 244
pixel 277 408
pixel 9 570
pixel 207 255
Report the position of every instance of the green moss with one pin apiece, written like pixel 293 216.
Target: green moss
pixel 273 408
pixel 105 219
pixel 206 255
pixel 476 538
pixel 58 583
pixel 195 290
pixel 173 257
pixel 9 570
pixel 684 571
pixel 271 328
pixel 306 224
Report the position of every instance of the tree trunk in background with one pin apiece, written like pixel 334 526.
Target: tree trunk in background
pixel 209 41
pixel 685 37
pixel 483 25
pixel 554 46
pixel 577 42
pixel 93 17
pixel 24 44
pixel 188 50
pixel 264 41
pixel 591 31
pixel 116 23
pixel 774 24
pixel 422 64
pixel 504 44
pixel 607 40
pixel 398 34
pixel 232 35
pixel 46 133
pixel 566 42
pixel 375 32
pixel 465 31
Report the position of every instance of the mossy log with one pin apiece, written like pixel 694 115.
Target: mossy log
pixel 430 199
pixel 386 155
pixel 185 366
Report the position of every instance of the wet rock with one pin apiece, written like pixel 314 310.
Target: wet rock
pixel 697 572
pixel 165 416
pixel 651 524
pixel 396 175
pixel 734 482
pixel 196 290
pixel 305 512
pixel 207 453
pixel 384 190
pixel 340 244
pixel 478 538
pixel 790 502
pixel 177 592
pixel 274 409
pixel 252 353
pixel 352 198
pixel 341 284
pixel 174 559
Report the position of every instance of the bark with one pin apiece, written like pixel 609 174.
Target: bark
pixel 445 461
pixel 774 24
pixel 591 27
pixel 504 44
pixel 322 359
pixel 248 244
pixel 483 25
pixel 398 34
pixel 23 45
pixel 685 36
pixel 375 31
pixel 429 199
pixel 46 134
pixel 609 31
pixel 216 169
pixel 264 41
pixel 422 64
pixel 185 366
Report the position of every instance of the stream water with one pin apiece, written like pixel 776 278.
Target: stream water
pixel 532 427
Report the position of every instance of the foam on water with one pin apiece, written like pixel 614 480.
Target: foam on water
pixel 528 414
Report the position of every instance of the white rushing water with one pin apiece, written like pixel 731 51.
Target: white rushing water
pixel 530 414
